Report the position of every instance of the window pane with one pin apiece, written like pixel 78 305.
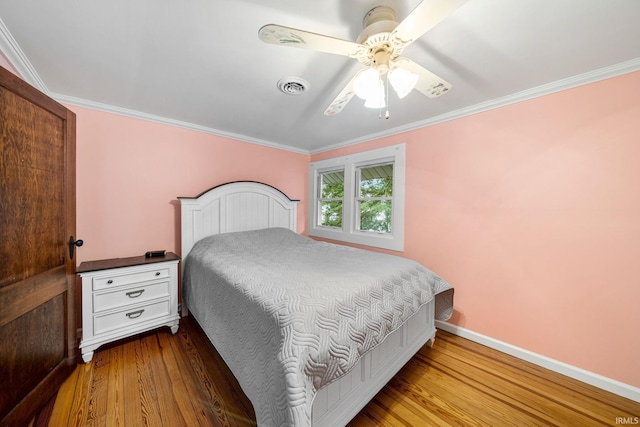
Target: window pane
pixel 332 185
pixel 375 215
pixel 376 181
pixel 331 213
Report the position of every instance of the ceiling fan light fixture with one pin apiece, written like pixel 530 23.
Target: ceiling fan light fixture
pixel 376 97
pixel 366 83
pixel 403 81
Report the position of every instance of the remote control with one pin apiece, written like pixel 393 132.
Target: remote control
pixel 152 254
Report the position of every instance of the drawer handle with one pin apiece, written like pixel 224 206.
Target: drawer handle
pixel 135 314
pixel 109 282
pixel 157 273
pixel 134 294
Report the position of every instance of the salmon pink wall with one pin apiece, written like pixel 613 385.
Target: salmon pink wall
pixel 532 213
pixel 130 173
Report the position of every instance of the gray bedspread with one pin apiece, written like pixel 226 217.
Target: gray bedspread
pixel 290 314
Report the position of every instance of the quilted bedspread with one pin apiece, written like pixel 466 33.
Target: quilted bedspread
pixel 289 314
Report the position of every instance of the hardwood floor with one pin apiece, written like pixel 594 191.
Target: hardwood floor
pixel 160 379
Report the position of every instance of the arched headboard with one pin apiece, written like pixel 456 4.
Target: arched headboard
pixel 235 206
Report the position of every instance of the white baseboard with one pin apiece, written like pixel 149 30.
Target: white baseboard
pixel 608 384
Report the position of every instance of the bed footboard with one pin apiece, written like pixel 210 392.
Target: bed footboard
pixel 337 403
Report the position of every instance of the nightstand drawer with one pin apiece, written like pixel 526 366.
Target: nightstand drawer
pixel 130 317
pixel 130 295
pixel 106 282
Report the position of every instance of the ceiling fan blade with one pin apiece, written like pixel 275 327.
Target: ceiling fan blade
pixel 428 84
pixel 424 17
pixel 285 36
pixel 342 99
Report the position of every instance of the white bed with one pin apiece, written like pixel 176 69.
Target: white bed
pixel 243 206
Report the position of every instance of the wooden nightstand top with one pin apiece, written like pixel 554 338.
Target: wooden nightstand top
pixel 105 264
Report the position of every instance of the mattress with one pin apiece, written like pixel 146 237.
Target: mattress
pixel 289 314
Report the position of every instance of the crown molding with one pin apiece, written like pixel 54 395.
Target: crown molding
pixel 11 50
pixel 525 95
pixel 79 102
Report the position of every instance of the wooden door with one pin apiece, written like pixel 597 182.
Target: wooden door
pixel 37 217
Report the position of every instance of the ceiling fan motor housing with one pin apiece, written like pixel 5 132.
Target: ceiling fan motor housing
pixel 378 13
pixel 378 23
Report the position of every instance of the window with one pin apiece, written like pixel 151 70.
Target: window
pixel 360 198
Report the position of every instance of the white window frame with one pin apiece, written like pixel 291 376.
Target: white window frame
pixel 349 233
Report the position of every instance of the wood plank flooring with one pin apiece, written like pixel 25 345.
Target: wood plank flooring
pixel 159 379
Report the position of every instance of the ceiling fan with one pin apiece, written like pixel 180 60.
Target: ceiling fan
pixel 379 46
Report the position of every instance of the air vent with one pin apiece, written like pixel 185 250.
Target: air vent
pixel 293 85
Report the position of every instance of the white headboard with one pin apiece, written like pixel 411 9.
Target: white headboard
pixel 236 206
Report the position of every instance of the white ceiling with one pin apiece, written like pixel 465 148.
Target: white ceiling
pixel 200 64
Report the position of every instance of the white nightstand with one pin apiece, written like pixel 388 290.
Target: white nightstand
pixel 125 296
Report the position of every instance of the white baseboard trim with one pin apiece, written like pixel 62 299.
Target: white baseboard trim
pixel 608 384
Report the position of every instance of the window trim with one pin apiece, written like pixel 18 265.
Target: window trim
pixel 348 232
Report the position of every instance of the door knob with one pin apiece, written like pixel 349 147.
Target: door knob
pixel 72 245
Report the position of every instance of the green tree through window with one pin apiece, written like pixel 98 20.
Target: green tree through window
pixel 331 198
pixel 375 194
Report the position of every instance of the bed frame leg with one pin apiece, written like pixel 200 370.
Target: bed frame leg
pixel 431 341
